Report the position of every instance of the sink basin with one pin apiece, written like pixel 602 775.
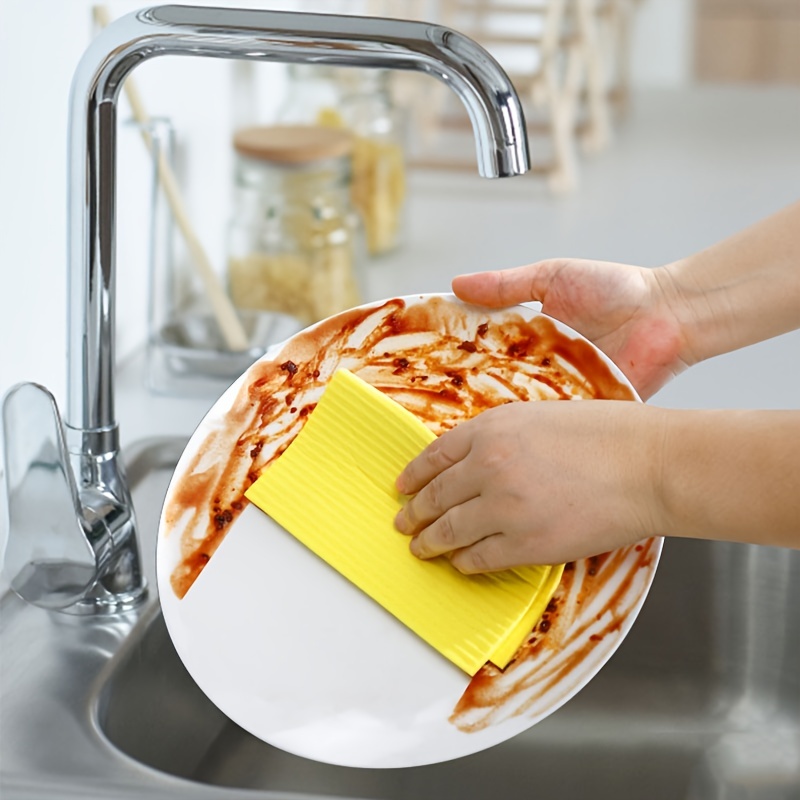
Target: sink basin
pixel 701 701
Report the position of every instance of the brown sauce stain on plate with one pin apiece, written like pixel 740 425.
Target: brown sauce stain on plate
pixel 445 362
pixel 595 598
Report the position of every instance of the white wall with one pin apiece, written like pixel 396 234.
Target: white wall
pixel 40 43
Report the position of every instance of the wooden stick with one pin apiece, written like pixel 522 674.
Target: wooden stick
pixel 224 312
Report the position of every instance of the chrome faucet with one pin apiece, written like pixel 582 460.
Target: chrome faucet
pixel 72 540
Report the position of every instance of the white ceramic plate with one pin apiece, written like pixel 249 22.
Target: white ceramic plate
pixel 297 655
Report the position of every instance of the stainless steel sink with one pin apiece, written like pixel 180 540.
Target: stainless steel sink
pixel 702 701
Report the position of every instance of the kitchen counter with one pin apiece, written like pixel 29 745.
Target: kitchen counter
pixel 687 169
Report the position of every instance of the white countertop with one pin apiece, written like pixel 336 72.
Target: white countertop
pixel 687 169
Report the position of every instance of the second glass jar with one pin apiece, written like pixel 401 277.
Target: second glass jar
pixel 359 100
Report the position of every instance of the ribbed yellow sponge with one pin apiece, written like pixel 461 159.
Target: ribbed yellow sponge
pixel 333 489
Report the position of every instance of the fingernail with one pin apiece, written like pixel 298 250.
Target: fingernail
pixel 400 521
pixel 400 483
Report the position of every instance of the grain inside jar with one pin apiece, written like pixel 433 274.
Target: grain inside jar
pixel 295 243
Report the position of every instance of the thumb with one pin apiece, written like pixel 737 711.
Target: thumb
pixel 505 287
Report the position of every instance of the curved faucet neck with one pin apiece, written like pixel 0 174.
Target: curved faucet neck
pixel 484 88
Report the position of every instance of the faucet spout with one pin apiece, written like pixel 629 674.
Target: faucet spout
pixel 78 551
pixel 482 85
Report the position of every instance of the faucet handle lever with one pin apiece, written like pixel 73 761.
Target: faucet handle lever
pixel 48 558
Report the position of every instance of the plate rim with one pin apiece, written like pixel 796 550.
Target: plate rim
pixel 223 404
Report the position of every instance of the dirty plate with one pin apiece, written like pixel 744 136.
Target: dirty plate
pixel 294 653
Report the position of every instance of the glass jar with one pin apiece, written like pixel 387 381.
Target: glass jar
pixel 295 244
pixel 359 100
pixel 379 168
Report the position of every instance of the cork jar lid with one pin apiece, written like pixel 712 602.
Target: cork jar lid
pixel 293 144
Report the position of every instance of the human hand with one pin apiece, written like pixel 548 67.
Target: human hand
pixel 627 311
pixel 535 483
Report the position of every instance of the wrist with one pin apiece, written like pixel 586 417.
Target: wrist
pixel 728 475
pixel 740 291
pixel 681 300
pixel 650 468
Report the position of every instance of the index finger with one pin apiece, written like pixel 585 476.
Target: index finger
pixel 450 448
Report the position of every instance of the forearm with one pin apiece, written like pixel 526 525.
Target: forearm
pixel 743 290
pixel 730 475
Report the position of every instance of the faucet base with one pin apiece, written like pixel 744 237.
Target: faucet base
pixel 108 603
pixel 72 542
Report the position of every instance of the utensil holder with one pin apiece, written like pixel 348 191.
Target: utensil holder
pixel 186 353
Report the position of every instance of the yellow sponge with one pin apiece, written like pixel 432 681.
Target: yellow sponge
pixel 333 489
